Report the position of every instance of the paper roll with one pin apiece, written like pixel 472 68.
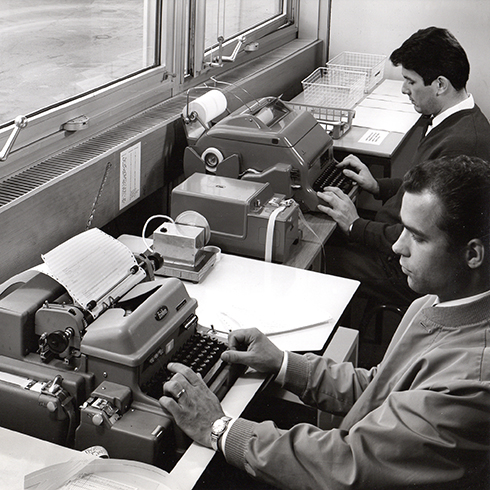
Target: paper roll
pixel 208 106
pixel 266 115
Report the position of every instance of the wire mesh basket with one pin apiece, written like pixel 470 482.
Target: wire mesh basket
pixel 372 64
pixel 332 87
pixel 335 121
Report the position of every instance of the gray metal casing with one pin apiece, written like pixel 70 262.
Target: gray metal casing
pixel 238 213
pixel 267 144
pixel 125 346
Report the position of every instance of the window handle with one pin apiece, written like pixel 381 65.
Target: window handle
pixel 219 61
pixel 19 123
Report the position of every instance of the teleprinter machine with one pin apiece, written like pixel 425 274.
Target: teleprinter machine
pixel 244 218
pixel 78 380
pixel 266 141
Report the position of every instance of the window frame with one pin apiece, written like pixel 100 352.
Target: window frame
pixel 204 55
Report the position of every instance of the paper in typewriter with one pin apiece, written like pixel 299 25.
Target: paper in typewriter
pixel 93 266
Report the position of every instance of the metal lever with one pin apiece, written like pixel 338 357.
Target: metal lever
pixel 20 123
pixel 221 58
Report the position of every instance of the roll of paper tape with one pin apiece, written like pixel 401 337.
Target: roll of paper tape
pixel 208 106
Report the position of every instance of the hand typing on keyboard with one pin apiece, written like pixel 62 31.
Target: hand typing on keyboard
pixel 358 172
pixel 336 204
pixel 339 206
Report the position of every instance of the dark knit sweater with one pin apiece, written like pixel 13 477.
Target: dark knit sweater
pixel 466 132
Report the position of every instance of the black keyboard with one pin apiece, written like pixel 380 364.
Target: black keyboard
pixel 202 353
pixel 333 176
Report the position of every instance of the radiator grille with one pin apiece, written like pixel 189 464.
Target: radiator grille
pixel 53 167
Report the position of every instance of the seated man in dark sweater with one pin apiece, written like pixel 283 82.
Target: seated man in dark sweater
pixel 435 69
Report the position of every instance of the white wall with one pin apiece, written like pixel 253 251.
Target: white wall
pixel 380 26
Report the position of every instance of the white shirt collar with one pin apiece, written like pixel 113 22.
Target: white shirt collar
pixel 463 301
pixel 468 103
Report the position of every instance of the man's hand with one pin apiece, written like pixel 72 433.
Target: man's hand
pixel 339 207
pixel 193 406
pixel 252 348
pixel 358 172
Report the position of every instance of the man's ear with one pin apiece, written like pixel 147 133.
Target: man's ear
pixel 475 253
pixel 442 84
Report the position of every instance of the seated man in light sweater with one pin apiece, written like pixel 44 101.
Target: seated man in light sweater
pixel 421 418
pixel 435 69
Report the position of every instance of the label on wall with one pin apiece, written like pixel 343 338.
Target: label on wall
pixel 130 175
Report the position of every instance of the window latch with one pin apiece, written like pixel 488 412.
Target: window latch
pixel 76 124
pixel 220 59
pixel 19 123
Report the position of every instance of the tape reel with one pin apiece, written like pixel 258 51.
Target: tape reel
pixel 193 218
pixel 212 157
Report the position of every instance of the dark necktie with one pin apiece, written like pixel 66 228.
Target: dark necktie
pixel 425 124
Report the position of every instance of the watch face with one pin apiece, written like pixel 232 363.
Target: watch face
pixel 219 426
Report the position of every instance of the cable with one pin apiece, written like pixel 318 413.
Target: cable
pixel 143 233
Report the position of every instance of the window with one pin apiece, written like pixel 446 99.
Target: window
pixel 102 61
pixel 221 24
pixel 232 17
pixel 54 51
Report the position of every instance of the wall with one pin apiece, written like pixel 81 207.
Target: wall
pixel 380 26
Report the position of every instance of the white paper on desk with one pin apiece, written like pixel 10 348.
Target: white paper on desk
pixel 387 103
pixel 270 322
pixel 390 87
pixel 91 264
pixel 100 474
pixel 373 137
pixel 397 121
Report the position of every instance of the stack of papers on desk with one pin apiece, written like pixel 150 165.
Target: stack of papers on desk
pixel 386 109
pixel 100 474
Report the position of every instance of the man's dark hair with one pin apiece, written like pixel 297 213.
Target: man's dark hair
pixel 462 185
pixel 434 52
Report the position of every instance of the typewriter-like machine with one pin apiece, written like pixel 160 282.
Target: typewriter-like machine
pixel 267 140
pixel 90 372
pixel 244 167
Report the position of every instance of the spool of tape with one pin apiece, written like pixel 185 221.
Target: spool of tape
pixel 208 106
pixel 212 157
pixel 194 218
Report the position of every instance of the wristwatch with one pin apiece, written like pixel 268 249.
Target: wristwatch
pixel 217 430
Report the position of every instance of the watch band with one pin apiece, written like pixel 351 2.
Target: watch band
pixel 217 430
pixel 350 228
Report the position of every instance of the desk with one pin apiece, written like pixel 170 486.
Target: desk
pixel 233 281
pixel 268 287
pixel 390 115
pixel 385 110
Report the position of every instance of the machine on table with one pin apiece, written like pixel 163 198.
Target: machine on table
pixel 244 218
pixel 266 141
pixel 83 372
